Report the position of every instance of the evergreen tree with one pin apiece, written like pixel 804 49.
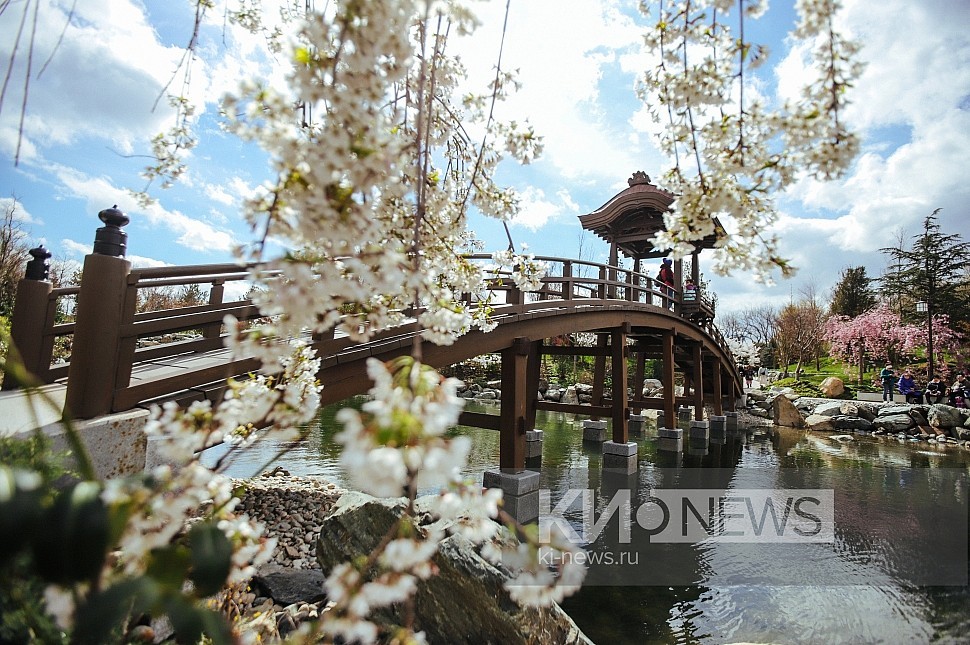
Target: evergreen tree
pixel 933 271
pixel 853 295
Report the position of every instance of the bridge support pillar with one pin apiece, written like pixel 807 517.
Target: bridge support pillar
pixel 669 409
pixel 698 381
pixel 620 457
pixel 594 430
pixel 731 420
pixel 533 448
pixel 670 439
pixel 618 373
pixel 520 492
pixel 718 430
pixel 700 433
pixel 717 388
pixel 514 410
pixel 635 423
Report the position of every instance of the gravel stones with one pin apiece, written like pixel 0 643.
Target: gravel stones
pixel 292 509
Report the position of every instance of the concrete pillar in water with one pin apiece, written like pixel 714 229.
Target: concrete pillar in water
pixel 670 439
pixel 533 448
pixel 620 457
pixel 718 429
pixel 635 423
pixel 520 492
pixel 594 430
pixel 732 420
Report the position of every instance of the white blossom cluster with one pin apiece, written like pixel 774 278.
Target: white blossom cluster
pixel 732 153
pixel 375 193
pixel 397 443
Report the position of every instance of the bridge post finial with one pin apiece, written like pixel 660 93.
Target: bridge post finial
pixel 38 268
pixel 110 239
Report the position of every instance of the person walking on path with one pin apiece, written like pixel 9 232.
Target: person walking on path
pixel 888 378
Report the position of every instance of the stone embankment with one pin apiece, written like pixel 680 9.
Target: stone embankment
pixel 937 423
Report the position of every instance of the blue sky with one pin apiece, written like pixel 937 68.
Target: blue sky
pixel 90 120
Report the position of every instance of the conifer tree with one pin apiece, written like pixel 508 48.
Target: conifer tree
pixel 932 270
pixel 853 295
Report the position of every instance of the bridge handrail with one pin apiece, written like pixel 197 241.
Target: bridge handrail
pixel 610 282
pixel 562 284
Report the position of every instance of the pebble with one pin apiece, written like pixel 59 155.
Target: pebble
pixel 282 503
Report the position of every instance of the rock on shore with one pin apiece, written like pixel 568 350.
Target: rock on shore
pixel 317 522
pixel 939 422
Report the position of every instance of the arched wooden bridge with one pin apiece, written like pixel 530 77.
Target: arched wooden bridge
pixel 112 367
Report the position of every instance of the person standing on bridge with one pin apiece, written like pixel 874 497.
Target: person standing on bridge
pixel 666 277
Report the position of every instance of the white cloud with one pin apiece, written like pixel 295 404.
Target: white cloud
pixel 192 233
pixel 102 81
pixel 20 214
pixel 76 249
pixel 562 52
pixel 536 210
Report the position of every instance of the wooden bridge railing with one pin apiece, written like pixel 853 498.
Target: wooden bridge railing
pixel 105 336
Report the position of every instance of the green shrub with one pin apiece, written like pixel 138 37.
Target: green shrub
pixel 23 615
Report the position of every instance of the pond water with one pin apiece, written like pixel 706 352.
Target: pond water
pixel 892 570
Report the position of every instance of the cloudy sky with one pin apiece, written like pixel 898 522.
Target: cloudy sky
pixel 92 112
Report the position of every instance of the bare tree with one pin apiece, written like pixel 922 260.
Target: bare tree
pixel 13 255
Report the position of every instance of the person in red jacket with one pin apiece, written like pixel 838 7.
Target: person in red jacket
pixel 666 277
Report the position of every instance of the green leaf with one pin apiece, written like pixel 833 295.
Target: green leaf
pixel 170 566
pixel 191 623
pixel 103 613
pixel 70 542
pixel 211 558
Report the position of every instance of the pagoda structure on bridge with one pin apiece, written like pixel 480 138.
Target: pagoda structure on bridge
pixel 629 221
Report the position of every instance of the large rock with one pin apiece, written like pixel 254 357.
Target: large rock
pixel 820 422
pixel 286 585
pixel 832 387
pixel 867 411
pixel 851 423
pixel 893 409
pixel 465 602
pixel 941 415
pixel 828 409
pixel 784 413
pixel 569 396
pixel 652 387
pixel 895 423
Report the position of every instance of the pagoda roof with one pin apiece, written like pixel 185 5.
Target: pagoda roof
pixel 632 217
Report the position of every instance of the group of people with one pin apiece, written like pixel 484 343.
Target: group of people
pixel 936 391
